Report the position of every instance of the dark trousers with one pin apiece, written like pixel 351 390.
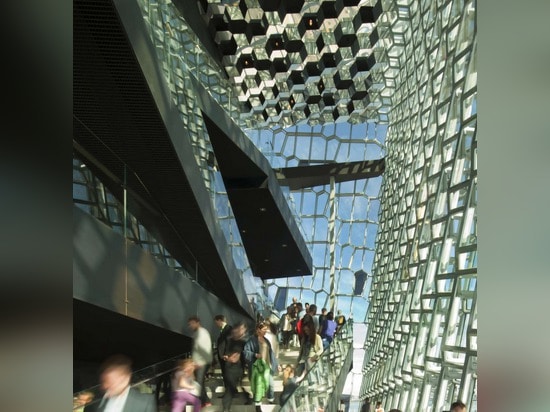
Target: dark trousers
pixel 233 375
pixel 222 368
pixel 287 336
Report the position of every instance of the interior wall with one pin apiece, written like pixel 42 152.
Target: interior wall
pixel 126 300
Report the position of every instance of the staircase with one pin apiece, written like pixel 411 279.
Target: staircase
pixel 215 388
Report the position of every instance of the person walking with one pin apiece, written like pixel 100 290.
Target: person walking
pixel 366 405
pixel 225 332
pixel 328 329
pixel 115 376
pixel 288 328
pixel 185 389
pixel 262 365
pixel 311 348
pixel 233 363
pixel 201 355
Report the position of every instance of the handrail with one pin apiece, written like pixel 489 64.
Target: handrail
pixel 140 377
pixel 326 377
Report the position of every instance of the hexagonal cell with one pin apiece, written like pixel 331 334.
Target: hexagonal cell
pixel 340 113
pixel 270 93
pixel 344 33
pixel 340 4
pixel 286 104
pixel 274 42
pixel 295 78
pixel 309 21
pixel 296 98
pixel 340 95
pixel 300 114
pixel 328 83
pixel 298 58
pixel 358 92
pixel 328 60
pixel 261 59
pixel 360 65
pixel 328 10
pixel 245 61
pixel 292 40
pixel 341 81
pixel 328 99
pixel 290 6
pixel 364 15
pixel 214 10
pixel 226 42
pixel 343 54
pixel 257 23
pixel 235 19
pixel 312 98
pixel 270 5
pixel 279 65
pixel 311 69
pixel 217 22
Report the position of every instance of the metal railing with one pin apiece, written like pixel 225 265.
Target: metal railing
pixel 320 389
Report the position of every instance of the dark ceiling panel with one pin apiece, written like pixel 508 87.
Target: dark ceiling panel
pixel 270 246
pixel 300 177
pixel 274 246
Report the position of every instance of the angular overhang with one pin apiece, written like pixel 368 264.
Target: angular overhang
pixel 272 240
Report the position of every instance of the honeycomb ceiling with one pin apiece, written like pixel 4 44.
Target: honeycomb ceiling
pixel 295 61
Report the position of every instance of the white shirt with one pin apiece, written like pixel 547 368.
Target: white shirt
pixel 202 347
pixel 116 403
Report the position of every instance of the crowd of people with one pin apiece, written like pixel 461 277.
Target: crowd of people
pixel 238 353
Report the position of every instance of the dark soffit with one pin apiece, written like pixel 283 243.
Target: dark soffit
pixel 274 246
pixel 300 177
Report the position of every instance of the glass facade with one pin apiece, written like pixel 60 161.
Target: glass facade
pixel 397 253
pixel 421 343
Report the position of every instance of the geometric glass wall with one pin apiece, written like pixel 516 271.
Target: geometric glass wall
pixel 350 230
pixel 412 230
pixel 356 204
pixel 421 344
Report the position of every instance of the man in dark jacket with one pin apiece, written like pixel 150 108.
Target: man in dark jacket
pixel 233 363
pixel 225 332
